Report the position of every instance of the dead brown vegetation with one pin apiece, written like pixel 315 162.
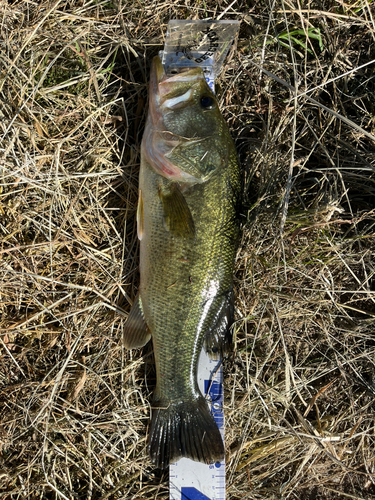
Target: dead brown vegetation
pixel 298 93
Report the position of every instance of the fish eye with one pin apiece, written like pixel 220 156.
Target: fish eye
pixel 207 102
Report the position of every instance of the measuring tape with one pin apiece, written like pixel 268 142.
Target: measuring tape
pixel 189 480
pixel 203 43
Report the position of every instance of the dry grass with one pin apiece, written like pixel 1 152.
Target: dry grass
pixel 301 382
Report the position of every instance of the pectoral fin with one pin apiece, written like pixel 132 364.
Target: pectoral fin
pixel 177 215
pixel 136 332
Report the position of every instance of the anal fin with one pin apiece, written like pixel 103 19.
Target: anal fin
pixel 218 338
pixel 136 332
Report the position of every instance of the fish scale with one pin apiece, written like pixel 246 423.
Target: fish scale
pixel 181 283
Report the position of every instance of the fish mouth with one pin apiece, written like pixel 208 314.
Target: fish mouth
pixel 165 91
pixel 168 93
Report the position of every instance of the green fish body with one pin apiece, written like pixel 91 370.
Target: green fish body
pixel 189 189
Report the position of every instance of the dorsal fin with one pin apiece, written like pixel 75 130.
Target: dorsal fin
pixel 140 220
pixel 136 332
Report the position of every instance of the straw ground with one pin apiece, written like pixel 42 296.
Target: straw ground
pixel 298 93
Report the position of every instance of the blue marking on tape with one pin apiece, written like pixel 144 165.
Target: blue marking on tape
pixel 215 392
pixel 188 493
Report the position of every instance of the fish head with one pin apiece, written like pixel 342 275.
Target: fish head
pixel 185 136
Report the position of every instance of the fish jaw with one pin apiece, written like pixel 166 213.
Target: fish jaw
pixel 165 88
pixel 166 95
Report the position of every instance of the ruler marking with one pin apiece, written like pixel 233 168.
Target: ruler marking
pixel 209 478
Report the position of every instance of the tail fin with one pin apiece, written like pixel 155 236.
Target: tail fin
pixel 184 429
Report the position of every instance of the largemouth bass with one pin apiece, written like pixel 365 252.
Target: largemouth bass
pixel 188 193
